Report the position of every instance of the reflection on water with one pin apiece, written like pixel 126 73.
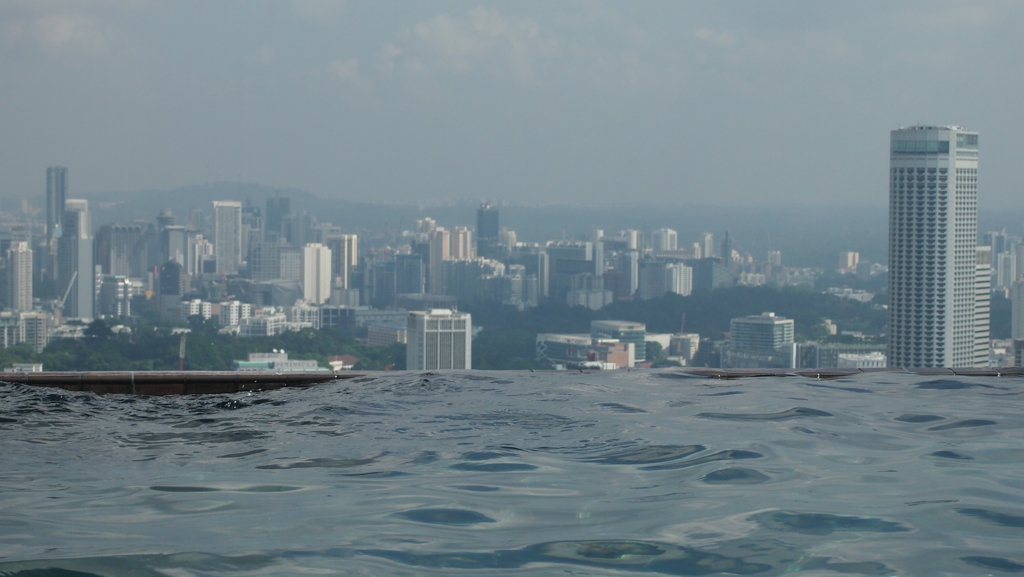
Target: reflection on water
pixel 611 473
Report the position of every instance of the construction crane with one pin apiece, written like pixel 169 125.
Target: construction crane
pixel 71 283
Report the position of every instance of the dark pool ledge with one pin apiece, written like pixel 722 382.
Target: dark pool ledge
pixel 220 382
pixel 838 373
pixel 172 382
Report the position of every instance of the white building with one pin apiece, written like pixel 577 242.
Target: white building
pixel 302 314
pixel 679 279
pixel 316 273
pixel 439 339
pixel 19 276
pixel 707 245
pixel 263 326
pixel 665 239
pixel 231 313
pixel 462 243
pixel 195 307
pixel 875 360
pixel 76 273
pixel 933 272
pixel 227 240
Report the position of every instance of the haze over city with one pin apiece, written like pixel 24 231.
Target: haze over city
pixel 534 102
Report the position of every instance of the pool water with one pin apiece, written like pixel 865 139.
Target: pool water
pixel 618 473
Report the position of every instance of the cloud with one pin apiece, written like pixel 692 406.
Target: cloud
pixel 483 38
pixel 325 12
pixel 348 71
pixel 720 38
pixel 266 55
pixel 71 33
pixel 386 57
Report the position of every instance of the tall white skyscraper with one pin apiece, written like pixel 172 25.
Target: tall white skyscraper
pixel 933 265
pixel 439 339
pixel 316 273
pixel 19 276
pixel 227 237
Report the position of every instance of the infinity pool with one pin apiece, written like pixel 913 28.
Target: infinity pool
pixel 619 473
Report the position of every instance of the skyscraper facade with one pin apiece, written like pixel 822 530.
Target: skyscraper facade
pixel 76 279
pixel 316 273
pixel 439 339
pixel 487 229
pixel 277 209
pixel 933 264
pixel 19 276
pixel 665 239
pixel 344 258
pixel 56 194
pixel 227 241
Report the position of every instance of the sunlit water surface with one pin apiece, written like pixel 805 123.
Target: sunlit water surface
pixel 624 473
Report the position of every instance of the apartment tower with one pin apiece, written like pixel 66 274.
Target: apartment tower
pixel 933 266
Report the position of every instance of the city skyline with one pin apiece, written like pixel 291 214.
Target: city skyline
pixel 533 102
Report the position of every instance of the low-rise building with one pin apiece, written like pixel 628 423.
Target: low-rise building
pixel 342 362
pixel 384 335
pixel 625 331
pixel 683 346
pixel 263 326
pixel 275 361
pixel 581 351
pixel 24 368
pixel 874 360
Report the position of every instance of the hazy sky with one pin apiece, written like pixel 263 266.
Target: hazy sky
pixel 709 103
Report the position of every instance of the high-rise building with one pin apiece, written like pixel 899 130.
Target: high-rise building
pixel 933 262
pixel 277 209
pixel 227 241
pixel 439 339
pixel 291 264
pixel 19 276
pixel 76 280
pixel 56 195
pixel 316 273
pixel 665 239
pixel 265 261
pixel 761 333
pixel 1017 310
pixel 760 341
pixel 172 288
pixel 440 251
pixel 487 230
pixel 119 250
pixel 461 243
pixel 344 258
pixel 707 246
